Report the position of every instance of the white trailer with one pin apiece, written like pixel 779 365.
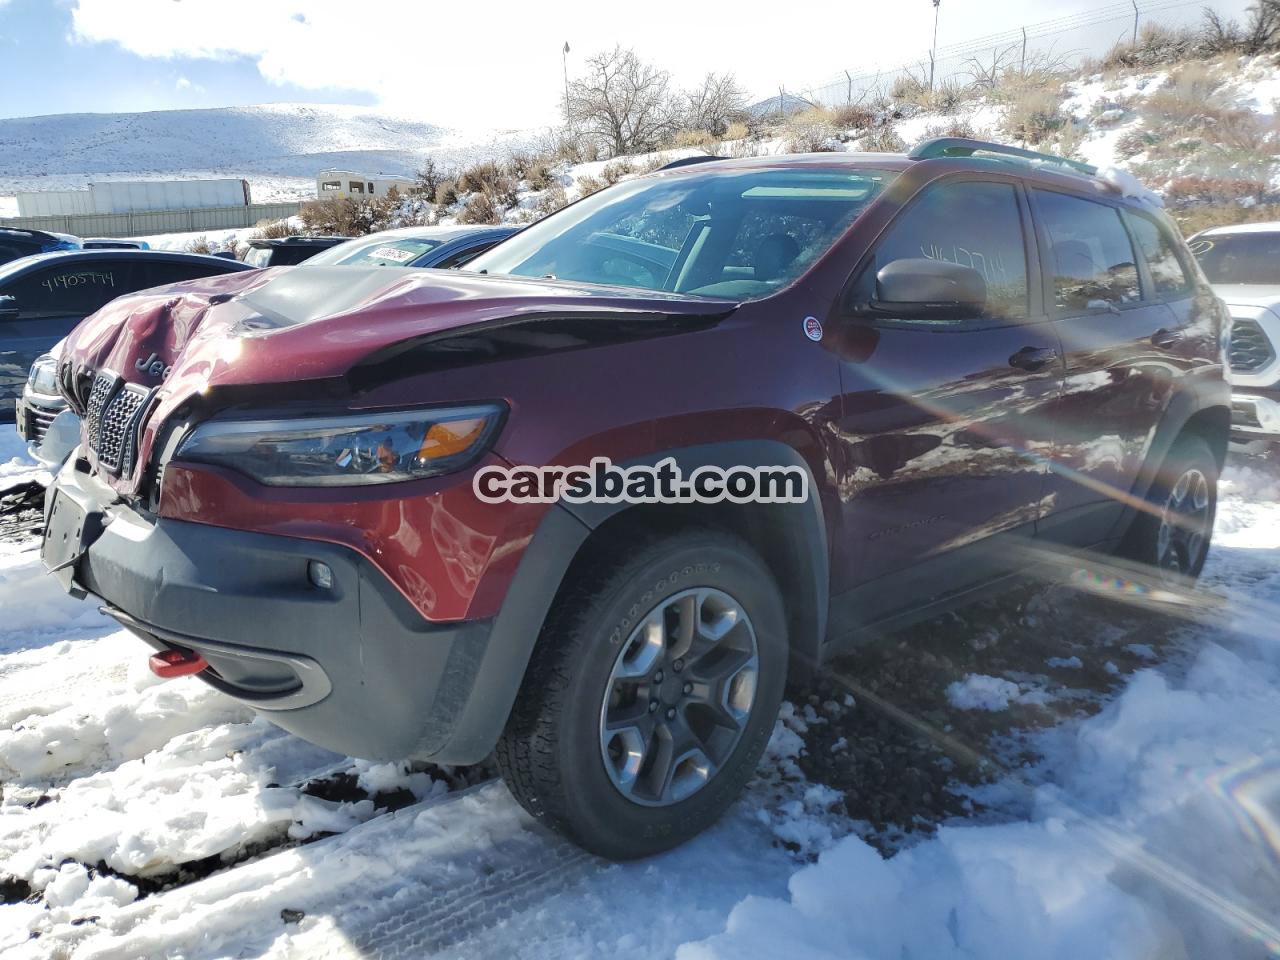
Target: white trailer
pixel 133 196
pixel 351 183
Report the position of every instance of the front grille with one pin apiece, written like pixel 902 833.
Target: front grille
pixel 115 435
pixel 38 420
pixel 103 384
pixel 1250 348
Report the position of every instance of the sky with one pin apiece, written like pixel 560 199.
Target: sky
pixel 492 66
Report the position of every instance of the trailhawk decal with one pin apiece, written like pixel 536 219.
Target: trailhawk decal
pixel 813 328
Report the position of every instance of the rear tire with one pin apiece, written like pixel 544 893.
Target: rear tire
pixel 1174 533
pixel 651 694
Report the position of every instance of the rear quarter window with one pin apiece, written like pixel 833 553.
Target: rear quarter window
pixel 1170 278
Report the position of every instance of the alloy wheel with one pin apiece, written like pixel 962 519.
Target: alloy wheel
pixel 679 697
pixel 1184 524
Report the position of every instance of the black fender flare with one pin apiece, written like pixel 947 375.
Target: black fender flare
pixel 799 530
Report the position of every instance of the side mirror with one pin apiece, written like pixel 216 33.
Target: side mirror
pixel 919 287
pixel 8 308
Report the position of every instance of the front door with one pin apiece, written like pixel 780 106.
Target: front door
pixel 944 433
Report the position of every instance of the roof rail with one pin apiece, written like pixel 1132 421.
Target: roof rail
pixel 689 161
pixel 965 147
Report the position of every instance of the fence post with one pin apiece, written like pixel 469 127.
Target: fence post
pixel 1024 51
pixel 931 71
pixel 848 92
pixel 1135 22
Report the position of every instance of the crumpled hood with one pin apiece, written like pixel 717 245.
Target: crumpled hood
pixel 288 324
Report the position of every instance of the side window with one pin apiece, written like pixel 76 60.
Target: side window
pixel 69 291
pixel 160 274
pixel 1088 254
pixel 1169 276
pixel 455 260
pixel 974 224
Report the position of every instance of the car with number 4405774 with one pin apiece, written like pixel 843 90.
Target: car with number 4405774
pixel 984 362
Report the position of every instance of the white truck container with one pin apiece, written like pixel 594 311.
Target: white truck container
pixel 132 196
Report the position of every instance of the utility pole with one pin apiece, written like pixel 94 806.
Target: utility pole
pixel 933 50
pixel 1024 51
pixel 564 56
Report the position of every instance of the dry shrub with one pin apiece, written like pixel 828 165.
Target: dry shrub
pixel 883 138
pixel 540 175
pixel 1193 219
pixel 587 185
pixel 348 217
pixel 551 200
pixel 199 244
pixel 853 116
pixel 479 208
pixel 480 176
pixel 275 229
pixel 909 87
pixel 519 165
pixel 1033 114
pixel 737 131
pixel 613 172
pixel 1200 188
pixel 810 132
pixel 692 138
pixel 655 161
pixel 446 193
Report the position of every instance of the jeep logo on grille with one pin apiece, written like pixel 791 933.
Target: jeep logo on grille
pixel 154 366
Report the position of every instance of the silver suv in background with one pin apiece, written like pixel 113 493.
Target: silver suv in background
pixel 1243 265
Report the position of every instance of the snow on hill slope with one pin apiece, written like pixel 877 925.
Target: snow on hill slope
pixel 278 147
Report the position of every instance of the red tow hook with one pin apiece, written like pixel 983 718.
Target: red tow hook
pixel 176 663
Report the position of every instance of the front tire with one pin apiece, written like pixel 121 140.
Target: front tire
pixel 1174 531
pixel 651 694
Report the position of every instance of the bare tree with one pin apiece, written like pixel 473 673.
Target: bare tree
pixel 715 105
pixel 625 103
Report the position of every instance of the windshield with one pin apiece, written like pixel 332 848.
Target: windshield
pixel 258 256
pixel 737 236
pixel 1239 257
pixel 375 251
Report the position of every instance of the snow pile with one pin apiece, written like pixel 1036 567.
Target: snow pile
pixel 16 465
pixel 1158 836
pixel 980 692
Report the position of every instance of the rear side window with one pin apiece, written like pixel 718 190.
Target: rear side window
pixel 1088 253
pixel 160 274
pixel 974 224
pixel 69 291
pixel 1169 277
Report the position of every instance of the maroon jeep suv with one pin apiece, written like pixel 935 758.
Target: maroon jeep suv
pixel 979 357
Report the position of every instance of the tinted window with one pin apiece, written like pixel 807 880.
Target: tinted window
pixel 1169 278
pixel 375 251
pixel 972 224
pixel 65 291
pixel 732 234
pixel 1239 257
pixel 458 258
pixel 160 274
pixel 1088 253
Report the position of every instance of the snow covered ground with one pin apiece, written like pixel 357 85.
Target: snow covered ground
pixel 277 147
pixel 150 819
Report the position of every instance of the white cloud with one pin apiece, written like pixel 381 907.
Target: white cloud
pixel 500 65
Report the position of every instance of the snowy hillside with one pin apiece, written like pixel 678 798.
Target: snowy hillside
pixel 279 148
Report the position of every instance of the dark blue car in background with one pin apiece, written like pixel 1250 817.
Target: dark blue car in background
pixel 16 243
pixel 441 247
pixel 43 297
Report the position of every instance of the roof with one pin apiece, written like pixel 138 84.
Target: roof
pixel 443 234
pixel 297 241
pixel 171 256
pixel 1270 226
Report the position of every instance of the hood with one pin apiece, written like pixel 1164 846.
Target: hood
pixel 289 324
pixel 1249 294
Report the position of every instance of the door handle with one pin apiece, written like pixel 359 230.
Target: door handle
pixel 1165 338
pixel 1034 358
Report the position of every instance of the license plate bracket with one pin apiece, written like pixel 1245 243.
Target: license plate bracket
pixel 69 529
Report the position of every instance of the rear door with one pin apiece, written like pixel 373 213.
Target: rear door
pixel 51 300
pixel 1119 342
pixel 943 427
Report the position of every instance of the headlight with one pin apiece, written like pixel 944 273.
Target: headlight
pixel 347 450
pixel 43 377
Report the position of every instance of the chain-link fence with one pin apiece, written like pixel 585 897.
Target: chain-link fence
pixel 1046 46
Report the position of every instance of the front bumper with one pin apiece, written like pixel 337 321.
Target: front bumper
pixel 34 413
pixel 353 668
pixel 1255 416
